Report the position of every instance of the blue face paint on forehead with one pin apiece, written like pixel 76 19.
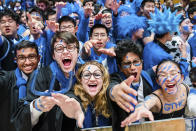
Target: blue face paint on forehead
pixel 61 42
pixel 22 50
pixel 164 67
pixel 169 67
pixel 89 68
pixel 127 57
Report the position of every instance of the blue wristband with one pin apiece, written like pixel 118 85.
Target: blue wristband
pixel 111 92
pixel 40 103
pixel 36 106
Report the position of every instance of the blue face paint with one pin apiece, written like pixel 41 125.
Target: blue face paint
pixel 186 28
pixel 174 78
pixel 89 68
pixel 127 57
pixel 163 81
pixel 61 42
pixel 164 68
pixel 126 66
pixel 22 50
pixel 169 67
pixel 194 19
pixel 179 80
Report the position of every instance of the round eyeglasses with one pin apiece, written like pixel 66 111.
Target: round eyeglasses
pixel 60 48
pixel 97 74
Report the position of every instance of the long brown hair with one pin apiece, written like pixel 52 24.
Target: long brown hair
pixel 100 101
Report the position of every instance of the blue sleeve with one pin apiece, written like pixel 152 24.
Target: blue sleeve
pixel 82 33
pixel 184 67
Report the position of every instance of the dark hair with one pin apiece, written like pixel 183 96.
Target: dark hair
pixel 50 11
pixel 126 46
pixel 43 1
pixel 67 37
pixel 10 13
pixel 67 19
pixel 38 10
pixel 192 74
pixel 191 11
pixel 98 26
pixel 26 44
pixel 164 61
pixel 85 1
pixel 106 11
pixel 144 2
pixel 160 35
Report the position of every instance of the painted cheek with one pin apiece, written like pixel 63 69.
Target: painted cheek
pixel 126 66
pixel 186 28
pixel 174 78
pixel 162 82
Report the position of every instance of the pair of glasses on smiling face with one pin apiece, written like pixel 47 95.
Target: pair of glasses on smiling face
pixel 30 58
pixel 97 74
pixel 59 48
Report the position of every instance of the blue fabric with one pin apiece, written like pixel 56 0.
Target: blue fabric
pixel 91 120
pixel 20 83
pixel 64 82
pixel 82 33
pixel 111 61
pixel 153 54
pixel 21 29
pixel 192 43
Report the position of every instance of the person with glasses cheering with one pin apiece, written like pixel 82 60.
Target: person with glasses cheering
pixel 92 82
pixel 44 112
pixel 129 85
pixel 13 83
pixel 99 49
pixel 167 102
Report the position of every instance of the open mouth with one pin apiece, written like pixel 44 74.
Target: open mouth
pixel 170 85
pixel 92 85
pixel 134 74
pixel 66 62
pixel 7 30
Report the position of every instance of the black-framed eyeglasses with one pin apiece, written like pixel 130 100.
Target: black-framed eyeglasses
pixel 22 58
pixel 60 48
pixel 137 62
pixel 97 74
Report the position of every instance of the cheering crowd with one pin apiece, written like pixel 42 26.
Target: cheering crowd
pixel 71 64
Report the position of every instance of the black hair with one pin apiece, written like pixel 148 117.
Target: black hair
pixel 26 44
pixel 191 11
pixel 50 11
pixel 67 19
pixel 164 61
pixel 98 26
pixel 192 74
pixel 126 46
pixel 38 10
pixel 67 37
pixel 106 11
pixel 10 13
pixel 85 1
pixel 144 2
pixel 160 35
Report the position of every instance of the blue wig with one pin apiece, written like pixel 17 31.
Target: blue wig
pixel 130 7
pixel 129 24
pixel 164 22
pixel 72 8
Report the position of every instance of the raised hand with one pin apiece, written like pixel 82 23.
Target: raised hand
pixel 148 39
pixel 182 47
pixel 140 112
pixel 38 25
pixel 52 25
pixel 45 103
pixel 109 52
pixel 70 107
pixel 120 94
